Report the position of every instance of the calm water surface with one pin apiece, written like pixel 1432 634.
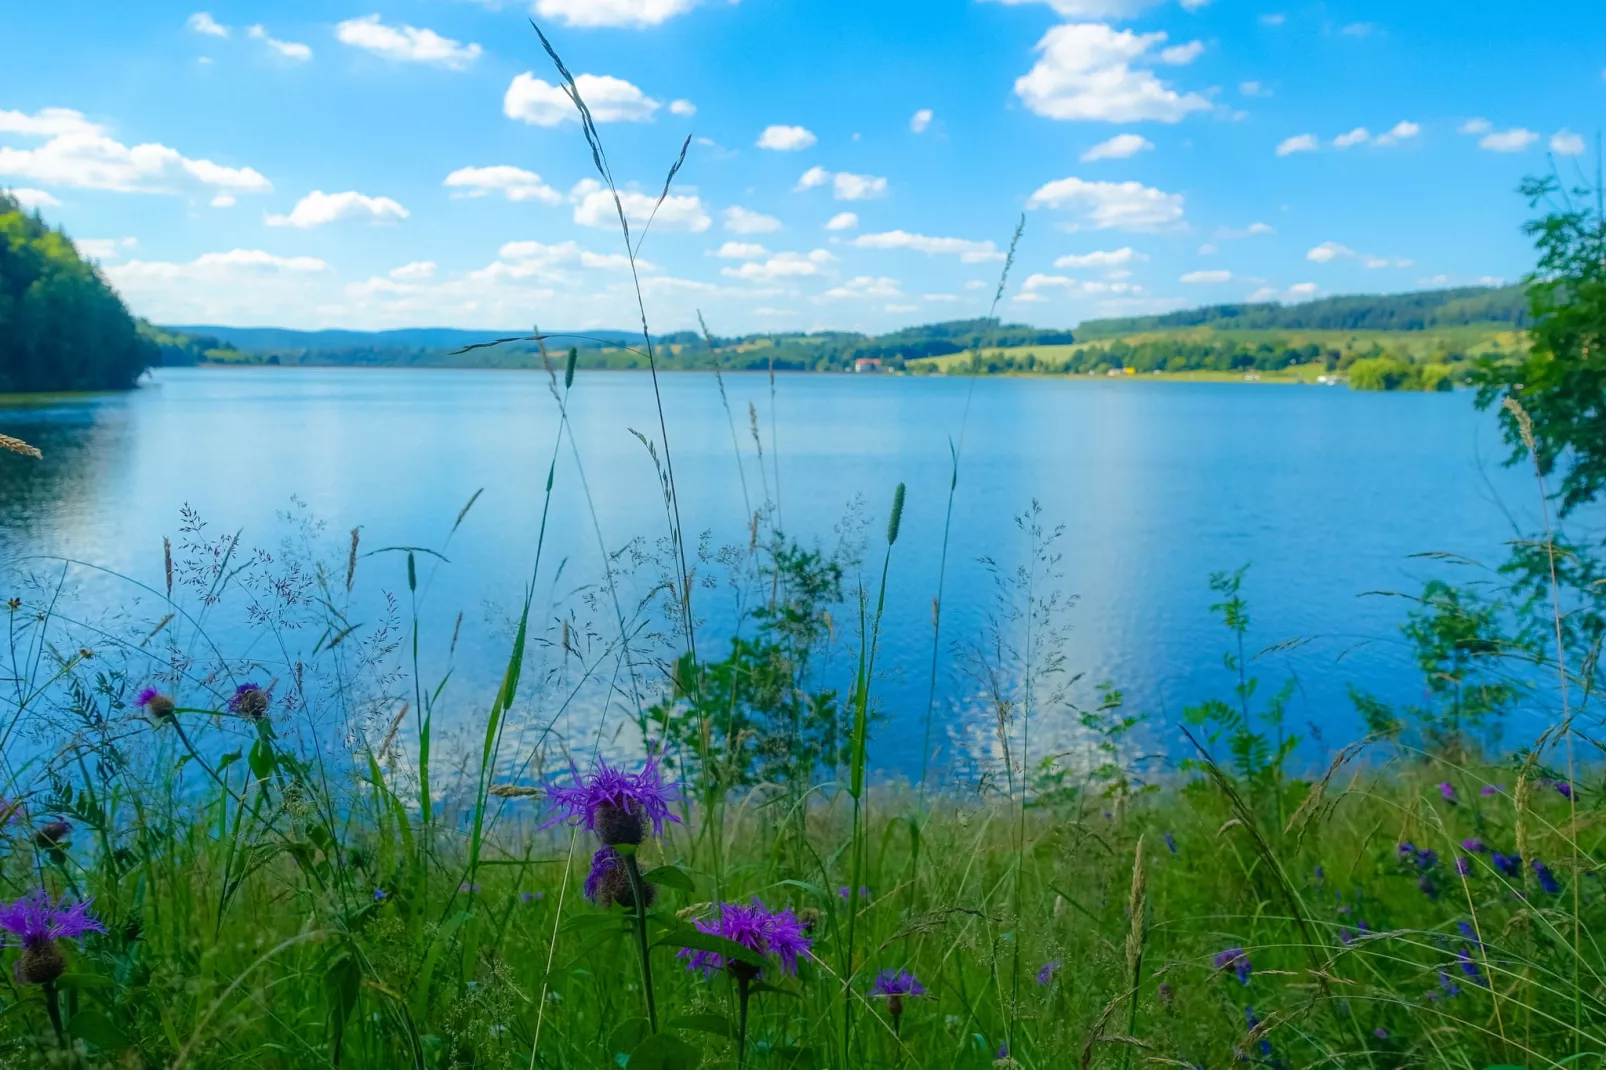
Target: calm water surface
pixel 1325 492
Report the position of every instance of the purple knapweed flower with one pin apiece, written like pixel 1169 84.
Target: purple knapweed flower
pixel 613 804
pixel 1170 842
pixel 250 700
pixel 604 862
pixel 1451 989
pixel 1565 789
pixel 1463 867
pixel 1547 879
pixel 1474 845
pixel 39 923
pixel 1510 865
pixel 1469 932
pixel 609 881
pixel 1406 849
pixel 157 706
pixel 756 928
pixel 1470 968
pixel 1447 790
pixel 896 983
pixel 1235 959
pixel 1427 858
pixel 1492 789
pixel 1048 970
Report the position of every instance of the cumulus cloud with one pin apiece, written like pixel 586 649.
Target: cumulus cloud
pixel 1181 55
pixel 1119 147
pixel 740 220
pixel 1041 282
pixel 1400 131
pixel 534 259
pixel 1100 258
pixel 611 100
pixel 683 108
pixel 786 138
pixel 288 49
pixel 1566 143
pixel 514 183
pixel 416 271
pixel 103 248
pixel 1252 230
pixel 1091 9
pixel 1299 143
pixel 969 252
pixel 406 43
pixel 1111 205
pixel 34 198
pixel 230 286
pixel 736 250
pixel 1359 136
pixel 633 14
pixel 1514 140
pixel 781 266
pixel 318 209
pixel 842 221
pixel 920 121
pixel 1084 72
pixel 1476 126
pixel 1253 89
pixel 202 22
pixel 844 185
pixel 594 207
pixel 862 286
pixel 1206 277
pixel 1329 251
pixel 79 153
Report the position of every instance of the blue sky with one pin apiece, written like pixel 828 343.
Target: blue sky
pixel 856 163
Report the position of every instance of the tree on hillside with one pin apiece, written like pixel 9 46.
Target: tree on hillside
pixel 1561 379
pixel 62 327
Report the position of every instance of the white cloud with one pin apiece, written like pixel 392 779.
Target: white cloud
pixel 920 121
pixel 786 138
pixel 1253 89
pixel 1328 251
pixel 969 252
pixel 1181 55
pixel 1119 147
pixel 842 221
pixel 1359 136
pixel 781 266
pixel 1476 126
pixel 34 198
pixel 739 220
pixel 1206 277
pixel 202 22
pixel 223 200
pixel 1084 72
pixel 1566 143
pixel 594 207
pixel 1383 262
pixel 736 250
pixel 1091 9
pixel 683 108
pixel 97 248
pixel 634 14
pixel 288 49
pixel 865 286
pixel 406 43
pixel 211 265
pixel 1028 297
pixel 514 183
pixel 1300 290
pixel 1117 205
pixel 1514 140
pixel 1273 18
pixel 1043 282
pixel 976 284
pixel 80 154
pixel 534 259
pixel 844 185
pixel 1208 249
pixel 1194 5
pixel 1299 143
pixel 416 271
pixel 1400 131
pixel 1100 258
pixel 1359 29
pixel 318 208
pixel 610 99
pixel 1252 230
pixel 940 298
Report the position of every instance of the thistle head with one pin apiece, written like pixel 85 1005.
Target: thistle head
pixel 755 927
pixel 616 806
pixel 250 701
pixel 52 834
pixel 39 922
pixel 609 882
pixel 158 706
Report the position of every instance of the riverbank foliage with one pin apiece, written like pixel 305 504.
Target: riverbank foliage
pixel 61 326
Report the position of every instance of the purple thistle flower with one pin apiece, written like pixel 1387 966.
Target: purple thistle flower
pixel 896 983
pixel 39 923
pixel 1493 789
pixel 1406 849
pixel 154 703
pixel 1427 858
pixel 756 928
pixel 1469 932
pixel 1547 879
pixel 1474 845
pixel 1564 788
pixel 1447 790
pixel 1171 842
pixel 1236 960
pixel 605 861
pixel 1451 989
pixel 613 804
pixel 1510 865
pixel 1046 974
pixel 250 700
pixel 1470 968
pixel 145 696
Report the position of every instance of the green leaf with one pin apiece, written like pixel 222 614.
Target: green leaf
pixel 262 760
pixel 664 1052
pixel 760 986
pixel 97 1030
pixel 701 941
pixel 227 760
pixel 670 877
pixel 592 923
pixel 627 1034
pixel 717 1024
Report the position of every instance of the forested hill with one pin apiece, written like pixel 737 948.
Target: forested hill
pixel 61 326
pixel 1418 311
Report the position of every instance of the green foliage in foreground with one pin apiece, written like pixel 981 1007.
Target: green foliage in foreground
pixel 61 326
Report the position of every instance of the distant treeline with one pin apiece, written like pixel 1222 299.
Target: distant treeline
pixel 61 326
pixel 1358 312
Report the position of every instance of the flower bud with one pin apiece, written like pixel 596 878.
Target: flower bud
pixel 616 825
pixel 39 964
pixel 52 833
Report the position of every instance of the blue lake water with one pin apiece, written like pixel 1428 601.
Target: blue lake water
pixel 1324 492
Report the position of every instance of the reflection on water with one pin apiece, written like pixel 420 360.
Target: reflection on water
pixel 1326 492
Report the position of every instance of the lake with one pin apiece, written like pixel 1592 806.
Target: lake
pixel 1325 493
